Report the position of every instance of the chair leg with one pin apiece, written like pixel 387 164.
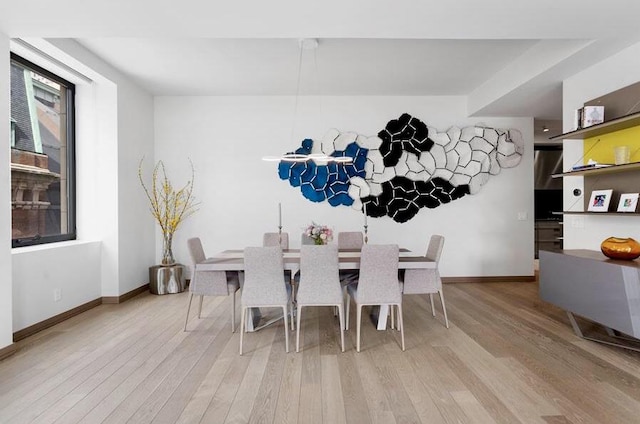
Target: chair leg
pixel 433 310
pixel 341 314
pixel 401 324
pixel 188 309
pixel 242 325
pixel 291 315
pixel 444 308
pixel 233 312
pixel 393 324
pixel 358 319
pixel 346 321
pixel 299 314
pixel 286 330
pixel 200 307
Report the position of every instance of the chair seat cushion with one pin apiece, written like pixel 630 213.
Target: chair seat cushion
pixel 308 295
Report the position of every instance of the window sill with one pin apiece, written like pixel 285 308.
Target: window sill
pixel 51 246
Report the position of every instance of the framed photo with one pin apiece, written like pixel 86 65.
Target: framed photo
pixel 599 201
pixel 628 202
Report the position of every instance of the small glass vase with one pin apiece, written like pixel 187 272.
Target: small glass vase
pixel 318 241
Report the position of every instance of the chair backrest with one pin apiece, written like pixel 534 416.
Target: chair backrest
pixel 275 239
pixel 305 240
pixel 378 282
pixel 263 283
pixel 209 283
pixel 195 251
pixel 319 278
pixel 350 240
pixel 436 243
pixel 421 281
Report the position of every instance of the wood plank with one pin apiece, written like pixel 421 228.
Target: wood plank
pixel 508 357
pixel 333 410
pixel 310 401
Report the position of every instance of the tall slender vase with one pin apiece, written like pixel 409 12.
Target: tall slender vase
pixel 169 276
pixel 167 253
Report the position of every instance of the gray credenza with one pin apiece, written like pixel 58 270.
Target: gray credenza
pixel 587 283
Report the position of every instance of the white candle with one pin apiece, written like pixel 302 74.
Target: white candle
pixel 364 208
pixel 279 215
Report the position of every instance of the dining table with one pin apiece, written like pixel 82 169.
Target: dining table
pixel 348 259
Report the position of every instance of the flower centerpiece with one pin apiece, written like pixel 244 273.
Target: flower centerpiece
pixel 321 234
pixel 170 207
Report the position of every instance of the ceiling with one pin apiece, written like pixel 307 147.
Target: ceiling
pixel 508 57
pixel 180 66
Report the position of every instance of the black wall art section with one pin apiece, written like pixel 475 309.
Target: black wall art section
pixel 406 167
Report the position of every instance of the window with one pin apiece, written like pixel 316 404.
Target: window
pixel 42 155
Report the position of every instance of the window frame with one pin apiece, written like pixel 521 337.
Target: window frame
pixel 71 233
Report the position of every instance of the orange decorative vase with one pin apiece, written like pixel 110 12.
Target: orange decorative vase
pixel 620 248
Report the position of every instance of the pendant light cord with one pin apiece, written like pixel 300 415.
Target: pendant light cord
pixel 295 105
pixel 318 91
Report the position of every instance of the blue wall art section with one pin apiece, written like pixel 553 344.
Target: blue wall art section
pixel 406 167
pixel 325 181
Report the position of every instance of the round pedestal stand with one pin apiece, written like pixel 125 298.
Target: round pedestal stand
pixel 166 279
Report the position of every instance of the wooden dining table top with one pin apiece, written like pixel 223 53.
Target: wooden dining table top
pixel 233 260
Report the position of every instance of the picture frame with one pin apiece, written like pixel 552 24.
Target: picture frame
pixel 599 201
pixel 628 202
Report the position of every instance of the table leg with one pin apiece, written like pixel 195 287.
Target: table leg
pixel 254 319
pixel 382 317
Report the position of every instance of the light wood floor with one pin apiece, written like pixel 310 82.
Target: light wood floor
pixel 507 358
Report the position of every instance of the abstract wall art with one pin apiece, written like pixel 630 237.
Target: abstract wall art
pixel 406 167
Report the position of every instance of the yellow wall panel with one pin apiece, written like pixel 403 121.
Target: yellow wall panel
pixel 600 148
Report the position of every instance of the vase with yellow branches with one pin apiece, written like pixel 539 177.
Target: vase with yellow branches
pixel 169 207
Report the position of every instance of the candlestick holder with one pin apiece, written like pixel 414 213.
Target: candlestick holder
pixel 280 234
pixel 366 236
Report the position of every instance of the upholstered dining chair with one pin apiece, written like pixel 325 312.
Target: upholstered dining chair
pixel 349 240
pixel 319 283
pixel 264 285
pixel 377 285
pixel 275 239
pixel 210 283
pixel 427 281
pixel 306 240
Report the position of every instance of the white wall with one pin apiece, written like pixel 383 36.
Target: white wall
pixel 125 132
pixel 115 243
pixel 618 71
pixel 226 137
pixel 136 236
pixel 6 309
pixel 69 267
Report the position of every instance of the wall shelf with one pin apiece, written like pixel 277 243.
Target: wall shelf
pixel 598 213
pixel 599 171
pixel 617 124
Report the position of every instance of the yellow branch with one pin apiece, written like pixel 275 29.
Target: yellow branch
pixel 168 206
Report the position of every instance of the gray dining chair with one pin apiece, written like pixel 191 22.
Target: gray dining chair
pixel 427 281
pixel 275 239
pixel 349 240
pixel 264 285
pixel 210 283
pixel 319 283
pixel 306 240
pixel 377 285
